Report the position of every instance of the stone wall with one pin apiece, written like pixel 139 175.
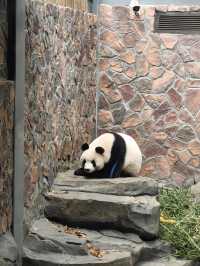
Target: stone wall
pixel 6 153
pixel 60 91
pixel 3 38
pixel 150 88
pixel 6 129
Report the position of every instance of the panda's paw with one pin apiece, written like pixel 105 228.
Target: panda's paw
pixel 79 172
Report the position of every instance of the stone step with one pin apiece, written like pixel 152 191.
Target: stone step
pixel 139 214
pixel 110 259
pixel 8 250
pixel 53 244
pixel 105 203
pixel 49 244
pixel 92 210
pixel 130 186
pixel 168 261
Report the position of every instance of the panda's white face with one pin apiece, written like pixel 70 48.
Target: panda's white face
pixel 93 159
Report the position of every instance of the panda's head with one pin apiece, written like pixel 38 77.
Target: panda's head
pixel 92 158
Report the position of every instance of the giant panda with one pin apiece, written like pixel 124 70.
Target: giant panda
pixel 110 155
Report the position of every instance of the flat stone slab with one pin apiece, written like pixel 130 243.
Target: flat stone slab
pixel 52 244
pixel 8 250
pixel 93 210
pixel 49 244
pixel 169 261
pixel 129 186
pixel 111 259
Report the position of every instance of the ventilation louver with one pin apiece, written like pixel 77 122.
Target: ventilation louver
pixel 178 22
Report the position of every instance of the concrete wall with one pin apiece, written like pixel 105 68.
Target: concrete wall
pixel 150 88
pixel 60 91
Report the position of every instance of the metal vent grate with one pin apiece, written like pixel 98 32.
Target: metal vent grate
pixel 177 22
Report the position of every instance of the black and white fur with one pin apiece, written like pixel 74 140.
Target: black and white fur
pixel 110 155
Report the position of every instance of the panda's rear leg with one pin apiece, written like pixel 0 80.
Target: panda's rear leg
pixel 126 174
pixel 131 171
pixel 113 169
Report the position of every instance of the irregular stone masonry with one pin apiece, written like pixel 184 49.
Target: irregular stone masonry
pixel 149 86
pixel 6 153
pixel 60 90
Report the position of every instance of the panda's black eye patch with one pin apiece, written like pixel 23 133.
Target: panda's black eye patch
pixel 94 163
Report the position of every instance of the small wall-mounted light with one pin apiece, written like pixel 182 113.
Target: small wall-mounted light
pixel 134 4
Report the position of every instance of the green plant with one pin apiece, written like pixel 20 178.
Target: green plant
pixel 181 223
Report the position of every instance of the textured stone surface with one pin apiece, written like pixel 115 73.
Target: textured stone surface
pixel 60 91
pixel 111 259
pixel 50 244
pixel 8 250
pixel 172 261
pixel 192 99
pixel 162 98
pixel 139 214
pixel 130 186
pixel 3 40
pixel 57 241
pixel 6 153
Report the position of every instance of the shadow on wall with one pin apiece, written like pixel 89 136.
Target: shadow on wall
pixel 60 90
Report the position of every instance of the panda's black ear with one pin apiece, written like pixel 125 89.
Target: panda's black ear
pixel 99 150
pixel 84 147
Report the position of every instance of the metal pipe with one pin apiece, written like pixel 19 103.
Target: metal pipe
pixel 18 200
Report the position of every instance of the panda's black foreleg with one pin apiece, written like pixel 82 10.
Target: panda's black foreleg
pixel 79 172
pixel 110 171
pixel 82 172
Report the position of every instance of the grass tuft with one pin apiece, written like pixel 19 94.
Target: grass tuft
pixel 180 222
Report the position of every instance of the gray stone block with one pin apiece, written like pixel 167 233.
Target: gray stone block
pixel 114 258
pixel 8 250
pixel 130 186
pixel 170 261
pixel 48 244
pixel 136 214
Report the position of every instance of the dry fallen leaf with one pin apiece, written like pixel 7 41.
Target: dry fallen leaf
pixel 73 231
pixel 94 251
